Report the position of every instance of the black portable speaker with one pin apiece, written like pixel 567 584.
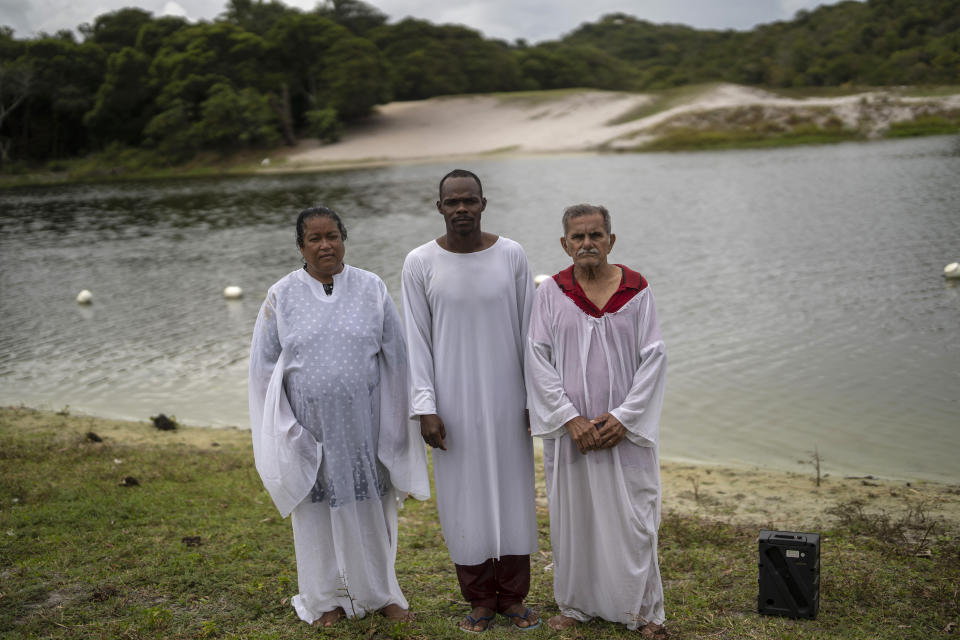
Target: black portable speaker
pixel 789 574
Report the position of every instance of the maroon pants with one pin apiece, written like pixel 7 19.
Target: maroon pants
pixel 495 584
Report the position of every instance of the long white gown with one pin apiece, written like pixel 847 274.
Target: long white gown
pixel 332 439
pixel 466 319
pixel 605 504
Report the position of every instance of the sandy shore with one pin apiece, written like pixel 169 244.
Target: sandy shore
pixel 790 500
pixel 742 495
pixel 583 121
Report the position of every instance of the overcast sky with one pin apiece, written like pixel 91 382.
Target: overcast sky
pixel 533 20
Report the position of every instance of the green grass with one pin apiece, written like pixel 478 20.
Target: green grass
pixel 916 91
pixel 798 93
pixel 83 557
pixel 124 163
pixel 705 140
pixel 931 91
pixel 925 126
pixel 750 126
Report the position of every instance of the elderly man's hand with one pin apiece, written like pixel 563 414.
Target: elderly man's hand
pixel 433 431
pixel 610 430
pixel 584 434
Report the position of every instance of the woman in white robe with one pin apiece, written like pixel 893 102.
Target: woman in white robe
pixel 331 435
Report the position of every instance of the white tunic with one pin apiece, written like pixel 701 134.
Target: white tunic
pixel 604 505
pixel 466 319
pixel 332 439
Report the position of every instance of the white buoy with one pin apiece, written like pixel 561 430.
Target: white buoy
pixel 84 297
pixel 233 293
pixel 539 278
pixel 952 270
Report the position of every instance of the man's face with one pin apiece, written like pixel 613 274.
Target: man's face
pixel 461 204
pixel 587 242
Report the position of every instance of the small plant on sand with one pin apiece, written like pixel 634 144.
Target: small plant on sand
pixel 815 461
pixel 695 482
pixel 909 534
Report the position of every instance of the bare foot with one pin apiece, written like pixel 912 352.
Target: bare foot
pixel 396 613
pixel 521 616
pixel 653 631
pixel 561 622
pixel 478 620
pixel 330 618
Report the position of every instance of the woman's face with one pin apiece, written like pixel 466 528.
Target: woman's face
pixel 322 246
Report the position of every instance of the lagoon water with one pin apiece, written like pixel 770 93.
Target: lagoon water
pixel 800 290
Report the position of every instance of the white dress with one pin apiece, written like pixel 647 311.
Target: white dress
pixel 605 504
pixel 331 436
pixel 466 317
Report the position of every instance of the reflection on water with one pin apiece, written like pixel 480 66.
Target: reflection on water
pixel 800 291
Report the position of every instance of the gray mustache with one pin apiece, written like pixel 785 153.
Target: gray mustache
pixel 584 252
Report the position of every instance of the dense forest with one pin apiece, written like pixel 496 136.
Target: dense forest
pixel 264 74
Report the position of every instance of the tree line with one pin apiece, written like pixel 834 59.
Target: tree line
pixel 263 74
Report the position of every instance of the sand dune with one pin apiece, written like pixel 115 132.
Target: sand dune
pixel 582 121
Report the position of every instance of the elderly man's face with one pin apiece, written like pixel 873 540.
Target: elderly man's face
pixel 461 204
pixel 587 242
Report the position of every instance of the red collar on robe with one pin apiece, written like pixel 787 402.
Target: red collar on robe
pixel 631 283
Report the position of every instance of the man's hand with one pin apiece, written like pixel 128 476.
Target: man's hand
pixel 610 430
pixel 584 434
pixel 433 431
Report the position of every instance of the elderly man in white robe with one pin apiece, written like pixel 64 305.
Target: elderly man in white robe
pixel 595 372
pixel 332 438
pixel 466 304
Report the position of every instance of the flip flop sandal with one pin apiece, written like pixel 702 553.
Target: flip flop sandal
pixel 474 622
pixel 523 616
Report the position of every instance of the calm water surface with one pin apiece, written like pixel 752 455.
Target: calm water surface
pixel 799 290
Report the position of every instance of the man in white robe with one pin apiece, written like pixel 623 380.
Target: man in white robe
pixel 466 304
pixel 595 372
pixel 332 438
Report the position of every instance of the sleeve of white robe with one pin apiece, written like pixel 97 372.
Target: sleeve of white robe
pixel 399 448
pixel 549 406
pixel 286 455
pixel 526 291
pixel 418 321
pixel 640 410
